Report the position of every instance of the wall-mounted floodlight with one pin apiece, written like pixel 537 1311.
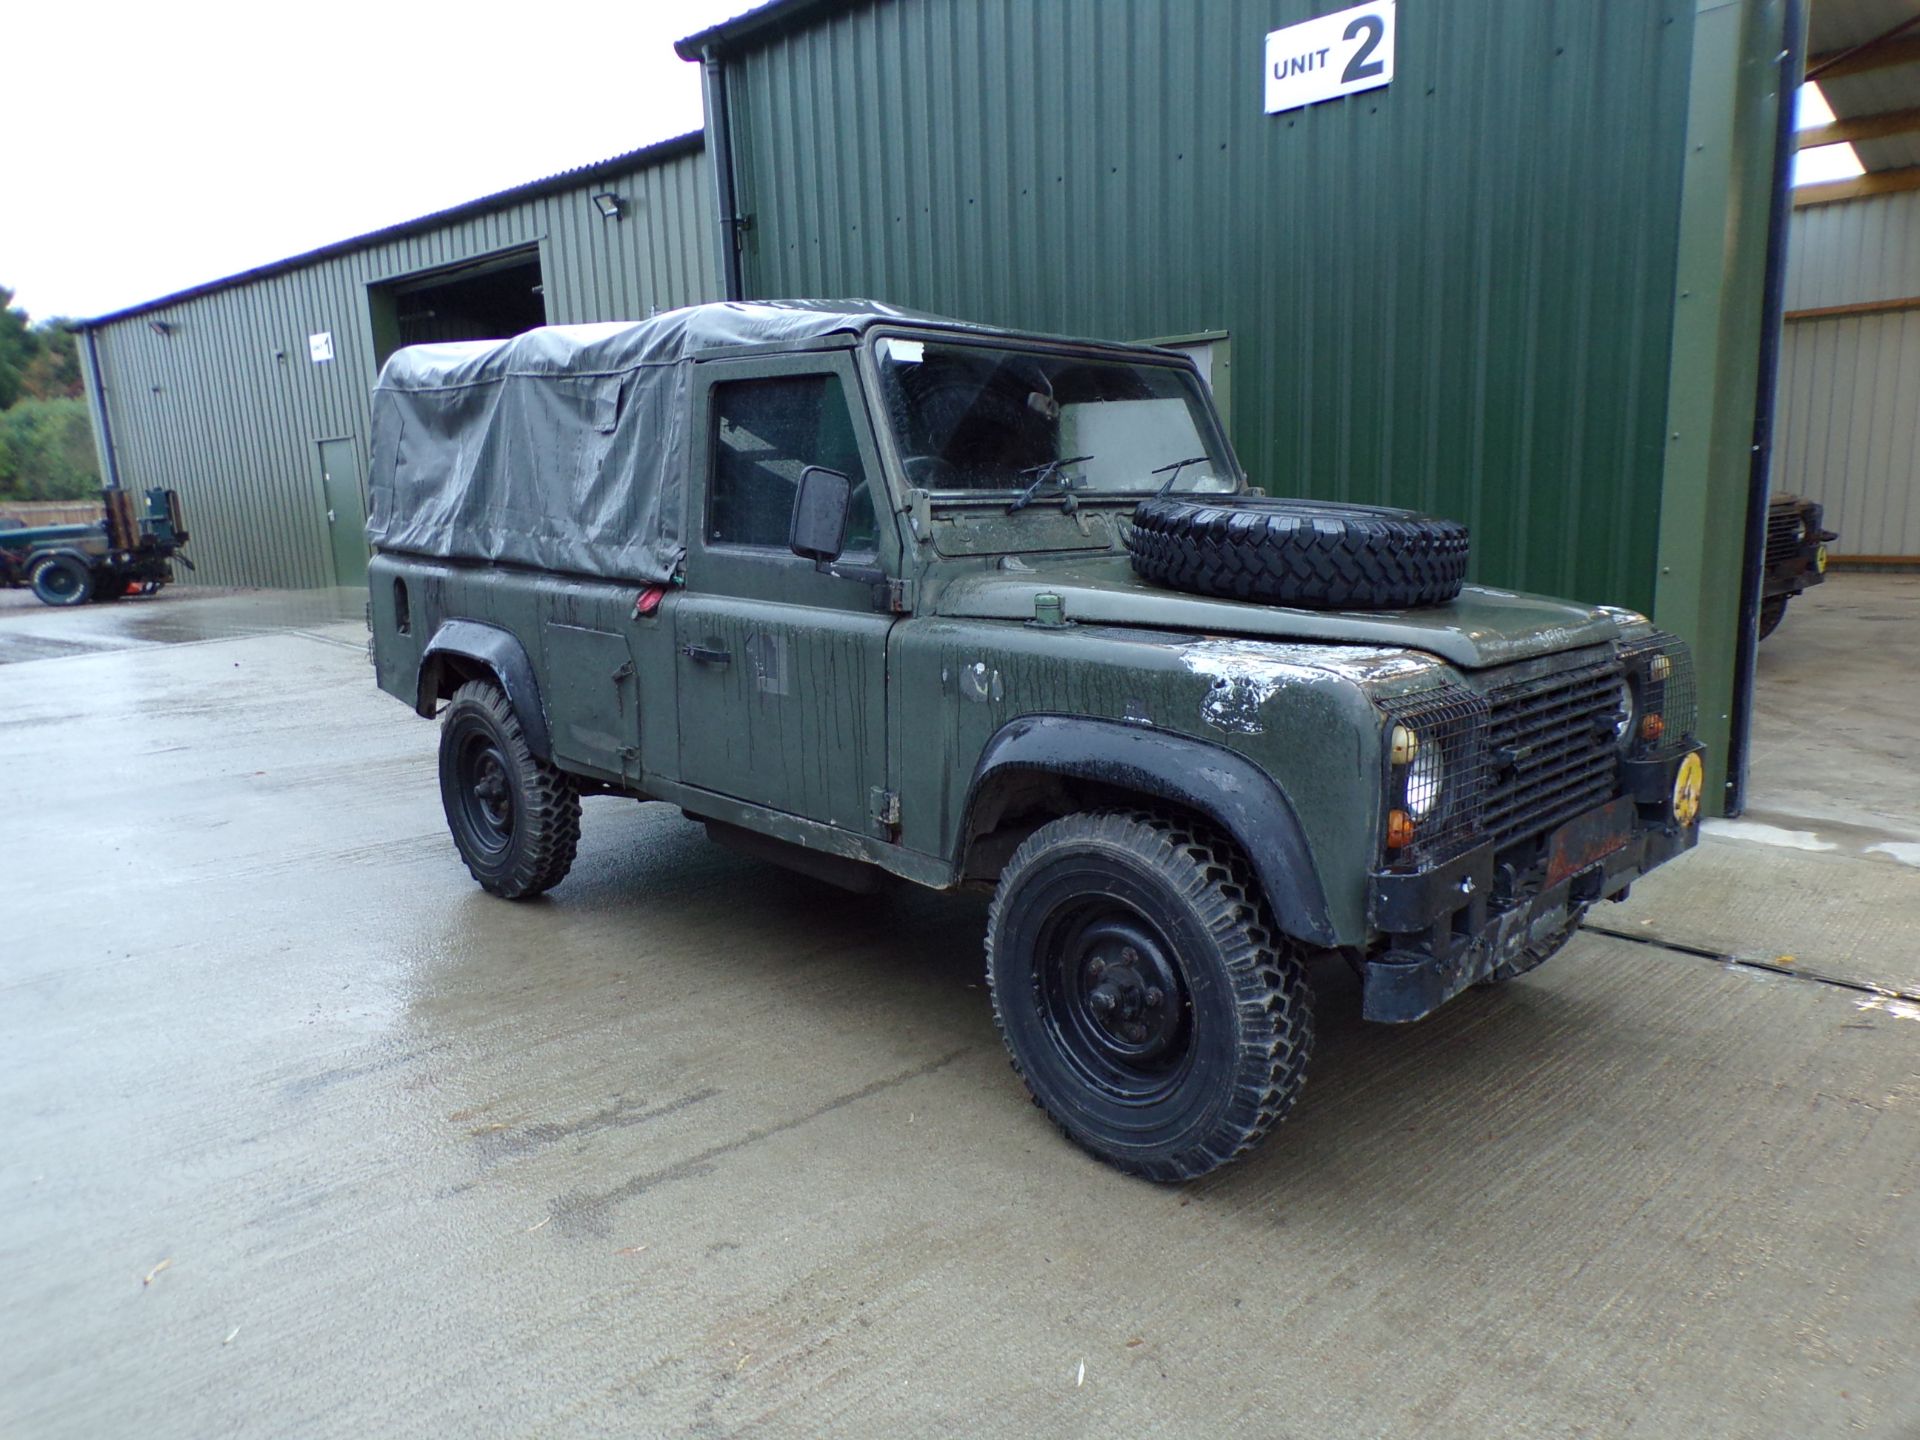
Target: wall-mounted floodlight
pixel 160 327
pixel 610 205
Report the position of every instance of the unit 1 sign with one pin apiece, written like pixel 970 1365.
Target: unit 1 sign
pixel 1338 54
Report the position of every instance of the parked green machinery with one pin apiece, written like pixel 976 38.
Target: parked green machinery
pixel 122 553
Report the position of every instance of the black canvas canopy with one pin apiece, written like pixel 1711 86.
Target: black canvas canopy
pixel 566 448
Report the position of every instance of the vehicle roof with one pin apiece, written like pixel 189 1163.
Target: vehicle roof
pixel 665 339
pixel 567 448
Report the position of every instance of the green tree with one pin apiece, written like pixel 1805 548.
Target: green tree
pixel 19 344
pixel 46 451
pixel 37 362
pixel 54 372
pixel 46 439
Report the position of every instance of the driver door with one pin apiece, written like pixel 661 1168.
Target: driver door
pixel 782 670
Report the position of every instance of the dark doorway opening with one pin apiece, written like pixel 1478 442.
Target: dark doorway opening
pixel 489 299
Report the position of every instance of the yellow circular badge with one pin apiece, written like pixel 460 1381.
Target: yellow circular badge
pixel 1687 787
pixel 1820 559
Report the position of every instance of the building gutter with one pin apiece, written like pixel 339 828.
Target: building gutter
pixel 99 389
pixel 727 224
pixel 1760 469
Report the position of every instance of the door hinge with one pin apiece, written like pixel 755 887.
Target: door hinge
pixel 893 597
pixel 885 808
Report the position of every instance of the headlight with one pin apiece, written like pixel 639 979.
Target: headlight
pixel 1425 769
pixel 1627 717
pixel 1424 779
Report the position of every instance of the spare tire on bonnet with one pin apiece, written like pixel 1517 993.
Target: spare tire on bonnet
pixel 1309 553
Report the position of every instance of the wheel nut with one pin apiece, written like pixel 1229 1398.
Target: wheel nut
pixel 1103 1000
pixel 1154 997
pixel 1096 967
pixel 1129 955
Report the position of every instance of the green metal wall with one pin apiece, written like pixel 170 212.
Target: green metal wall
pixel 1715 373
pixel 1456 293
pixel 1453 293
pixel 210 409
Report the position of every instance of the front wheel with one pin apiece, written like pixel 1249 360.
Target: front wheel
pixel 1142 992
pixel 515 818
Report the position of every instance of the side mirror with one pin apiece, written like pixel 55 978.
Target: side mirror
pixel 819 529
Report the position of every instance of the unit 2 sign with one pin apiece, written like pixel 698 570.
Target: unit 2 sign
pixel 1339 54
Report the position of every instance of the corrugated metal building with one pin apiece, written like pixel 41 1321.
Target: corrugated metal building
pixel 250 395
pixel 1850 372
pixel 1523 284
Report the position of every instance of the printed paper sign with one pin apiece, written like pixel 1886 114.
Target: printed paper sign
pixel 1332 55
pixel 321 346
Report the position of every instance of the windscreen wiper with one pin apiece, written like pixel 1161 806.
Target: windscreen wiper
pixel 1041 475
pixel 1172 472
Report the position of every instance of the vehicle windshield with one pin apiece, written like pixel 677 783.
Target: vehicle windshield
pixel 981 419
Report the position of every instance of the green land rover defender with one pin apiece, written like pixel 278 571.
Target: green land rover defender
pixel 876 594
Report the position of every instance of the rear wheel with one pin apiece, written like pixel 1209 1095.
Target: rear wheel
pixel 1773 610
pixel 1142 993
pixel 515 818
pixel 62 580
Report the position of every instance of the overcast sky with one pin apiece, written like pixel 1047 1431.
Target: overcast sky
pixel 157 146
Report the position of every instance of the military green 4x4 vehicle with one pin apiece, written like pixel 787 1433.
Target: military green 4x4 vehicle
pixel 875 594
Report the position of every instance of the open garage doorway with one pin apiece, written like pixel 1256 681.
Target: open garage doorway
pixel 486 299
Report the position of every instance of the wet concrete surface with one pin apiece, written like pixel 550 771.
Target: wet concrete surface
pixel 695 1147
pixel 177 615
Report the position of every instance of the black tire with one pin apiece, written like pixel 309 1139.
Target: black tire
pixel 62 580
pixel 1094 914
pixel 1535 955
pixel 1773 610
pixel 514 818
pixel 1299 552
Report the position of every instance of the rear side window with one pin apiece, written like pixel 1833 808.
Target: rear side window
pixel 765 433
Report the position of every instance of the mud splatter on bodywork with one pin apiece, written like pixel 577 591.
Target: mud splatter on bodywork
pixel 1243 674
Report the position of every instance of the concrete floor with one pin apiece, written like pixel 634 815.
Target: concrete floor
pixel 305 1134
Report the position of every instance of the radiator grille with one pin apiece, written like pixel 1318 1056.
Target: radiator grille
pixel 1783 535
pixel 1528 755
pixel 1552 750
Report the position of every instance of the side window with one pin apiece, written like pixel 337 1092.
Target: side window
pixel 765 433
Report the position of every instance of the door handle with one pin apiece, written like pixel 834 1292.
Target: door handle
pixel 707 654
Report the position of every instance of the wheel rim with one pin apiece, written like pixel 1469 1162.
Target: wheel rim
pixel 486 791
pixel 60 580
pixel 1113 1001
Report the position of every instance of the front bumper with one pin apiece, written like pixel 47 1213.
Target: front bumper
pixel 1450 926
pixel 1806 566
